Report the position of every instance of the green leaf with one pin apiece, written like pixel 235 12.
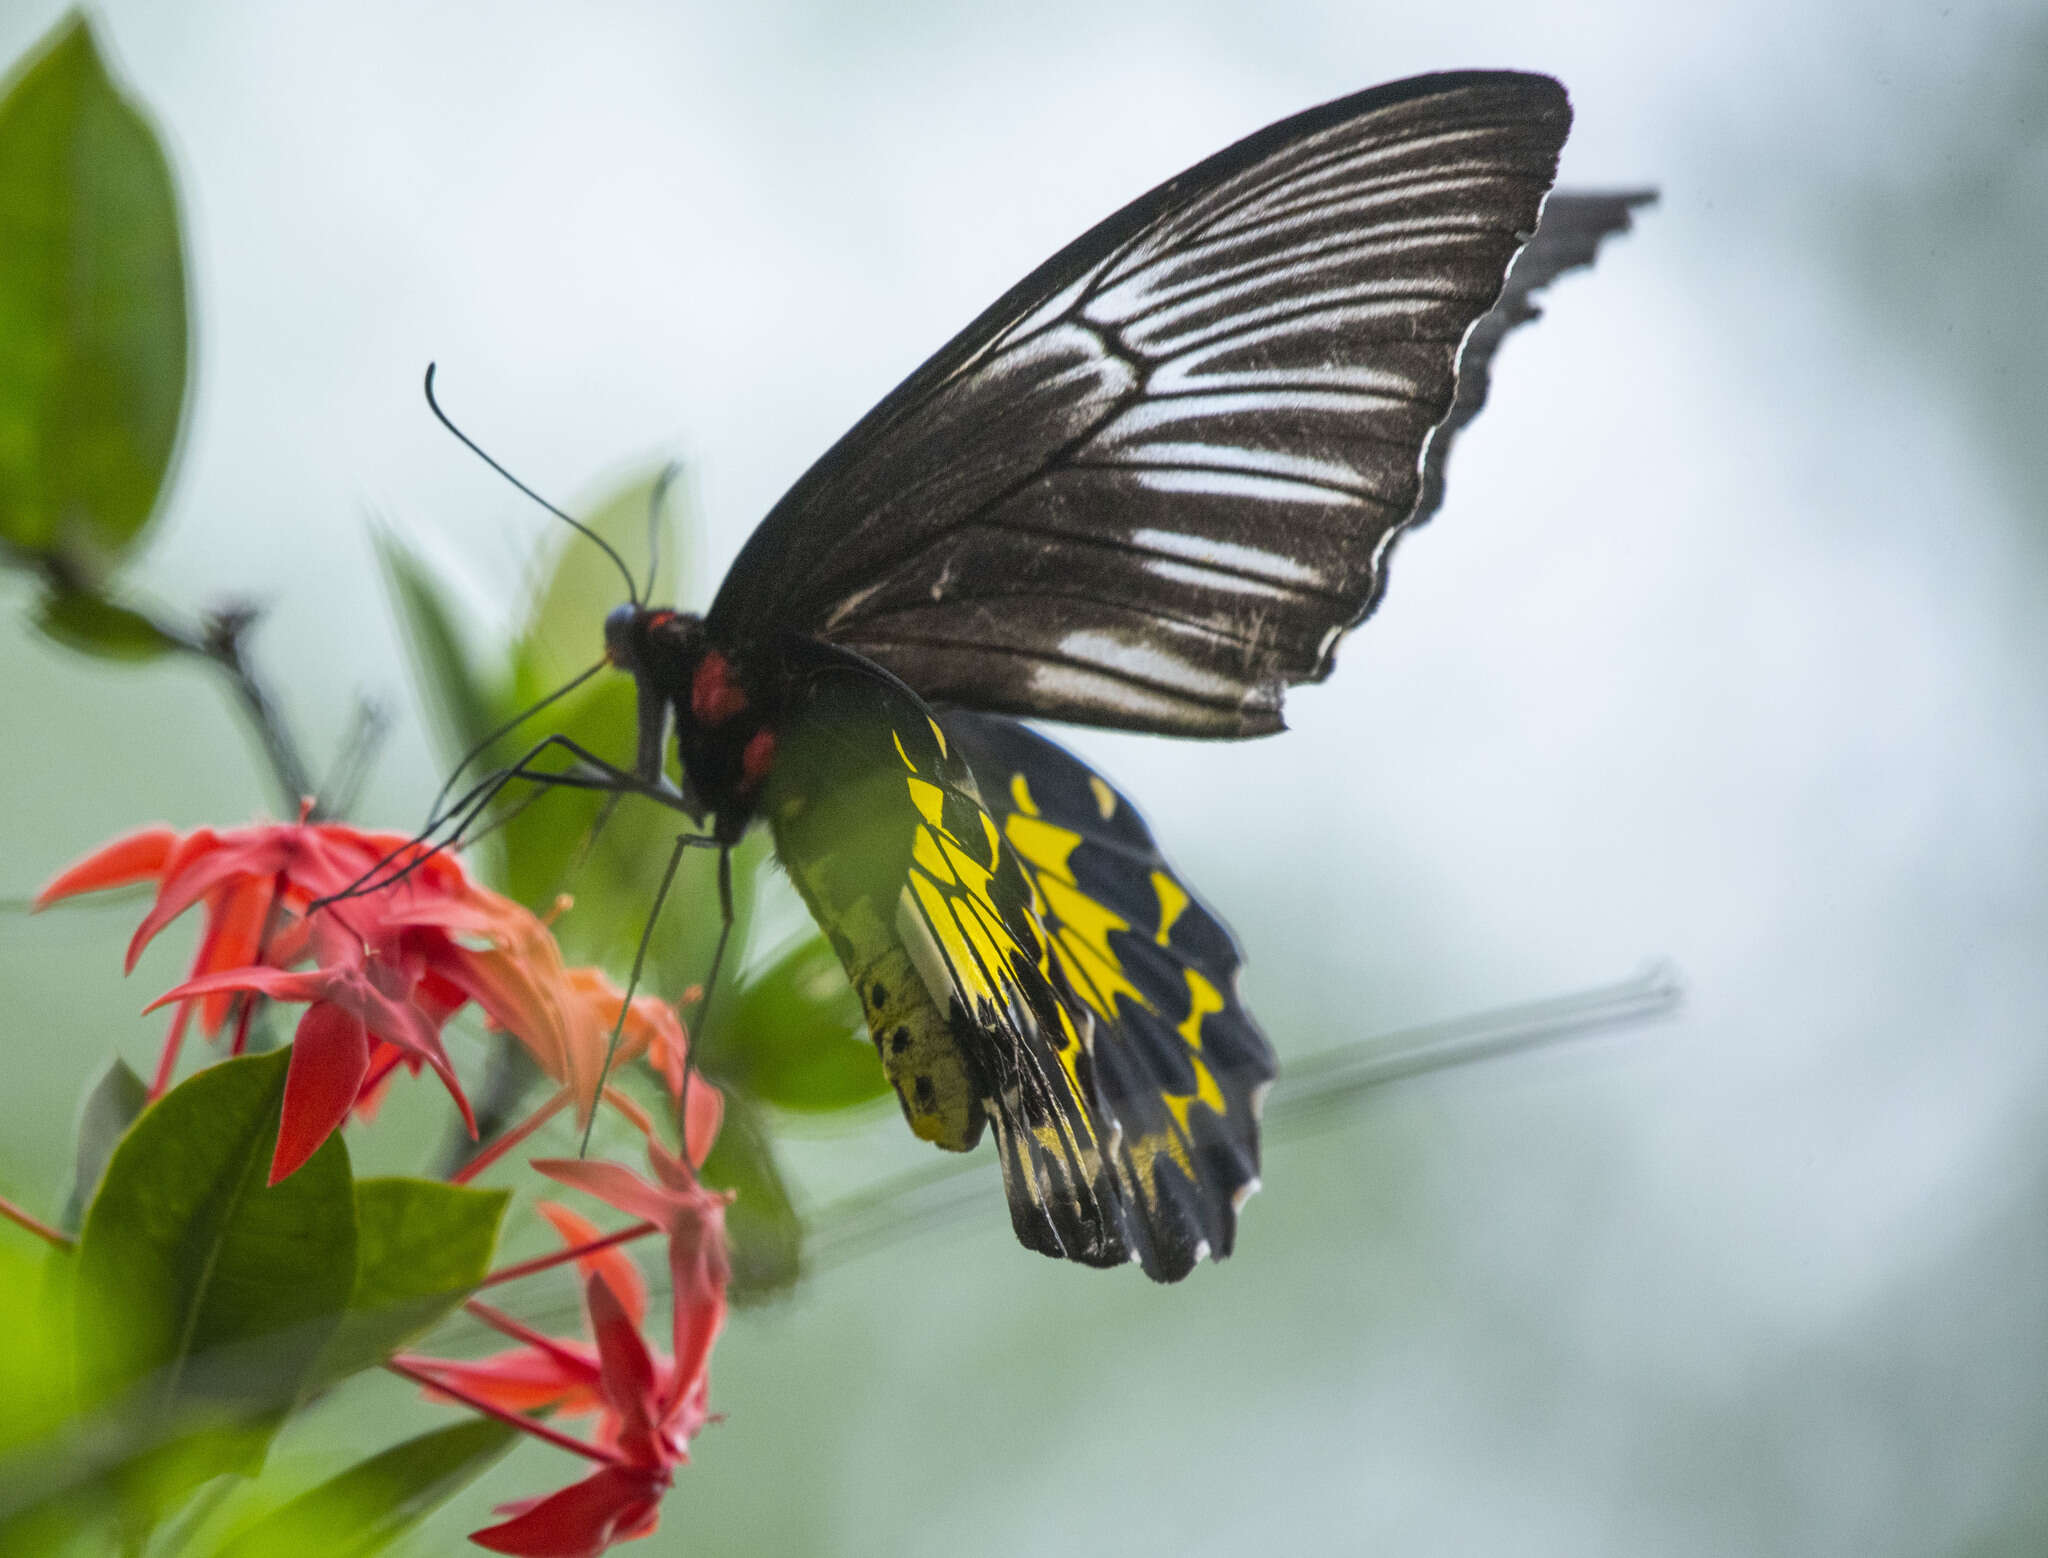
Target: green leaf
pixel 94 625
pixel 455 692
pixel 375 1502
pixel 35 1372
pixel 795 1036
pixel 565 626
pixel 92 312
pixel 421 1249
pixel 110 1108
pixel 203 1295
pixel 762 1227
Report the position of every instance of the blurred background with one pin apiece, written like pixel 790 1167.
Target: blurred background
pixel 1726 648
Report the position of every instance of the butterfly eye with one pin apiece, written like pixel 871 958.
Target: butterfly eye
pixel 618 627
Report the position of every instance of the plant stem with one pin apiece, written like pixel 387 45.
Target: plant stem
pixel 35 1225
pixel 527 1268
pixel 526 1425
pixel 221 642
pixel 511 1138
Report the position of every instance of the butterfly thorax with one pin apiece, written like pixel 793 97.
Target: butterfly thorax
pixel 721 706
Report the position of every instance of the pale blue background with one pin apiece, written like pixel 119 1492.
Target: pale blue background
pixel 1726 647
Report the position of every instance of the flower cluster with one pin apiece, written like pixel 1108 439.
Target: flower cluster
pixel 649 1407
pixel 383 941
pixel 398 938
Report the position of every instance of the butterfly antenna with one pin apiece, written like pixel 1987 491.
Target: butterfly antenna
pixel 657 500
pixel 632 590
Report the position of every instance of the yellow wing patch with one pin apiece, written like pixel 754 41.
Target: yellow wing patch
pixel 1173 899
pixel 956 892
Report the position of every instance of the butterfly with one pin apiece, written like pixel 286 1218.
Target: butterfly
pixel 1150 487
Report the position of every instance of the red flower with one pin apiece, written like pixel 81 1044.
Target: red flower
pixel 362 992
pixel 694 1220
pixel 636 1445
pixel 256 884
pixel 649 1407
pixel 391 965
pixel 548 1373
pixel 619 1501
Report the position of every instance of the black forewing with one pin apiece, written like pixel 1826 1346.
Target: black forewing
pixel 1178 1062
pixel 1154 482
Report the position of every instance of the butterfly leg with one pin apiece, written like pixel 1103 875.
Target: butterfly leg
pixel 725 919
pixel 600 775
pixel 605 778
pixel 611 1049
pixel 464 811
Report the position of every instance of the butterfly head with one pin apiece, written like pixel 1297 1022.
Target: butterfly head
pixel 650 640
pixel 722 722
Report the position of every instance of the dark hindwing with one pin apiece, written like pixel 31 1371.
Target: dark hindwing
pixel 880 824
pixel 1178 1062
pixel 1153 484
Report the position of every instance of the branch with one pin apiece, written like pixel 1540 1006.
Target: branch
pixel 221 642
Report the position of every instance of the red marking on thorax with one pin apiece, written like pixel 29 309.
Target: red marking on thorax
pixel 714 696
pixel 757 759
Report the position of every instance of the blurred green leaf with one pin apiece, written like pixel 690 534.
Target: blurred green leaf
pixel 421 1249
pixel 795 1036
pixel 203 1295
pixel 456 694
pixel 375 1502
pixel 94 625
pixel 92 312
pixel 613 876
pixel 110 1108
pixel 35 1363
pixel 762 1227
pixel 564 629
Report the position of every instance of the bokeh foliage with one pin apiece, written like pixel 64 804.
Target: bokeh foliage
pixel 93 333
pixel 201 1305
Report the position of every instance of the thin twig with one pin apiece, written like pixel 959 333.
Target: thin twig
pixel 416 1371
pixel 527 1268
pixel 512 1138
pixel 354 757
pixel 34 1225
pixel 1312 1090
pixel 221 641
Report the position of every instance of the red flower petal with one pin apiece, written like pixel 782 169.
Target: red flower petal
pixel 524 1379
pixel 134 857
pixel 234 935
pixel 612 1264
pixel 694 1220
pixel 365 991
pixel 279 985
pixel 614 1184
pixel 628 1379
pixel 330 1056
pixel 583 1519
pixel 194 869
